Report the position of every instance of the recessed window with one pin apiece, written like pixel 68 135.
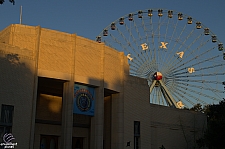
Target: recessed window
pixel 6 120
pixel 7 114
pixel 136 134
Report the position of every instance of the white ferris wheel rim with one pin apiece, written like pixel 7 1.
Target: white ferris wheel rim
pixel 189 73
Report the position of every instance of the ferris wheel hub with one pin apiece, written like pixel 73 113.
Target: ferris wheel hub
pixel 157 41
pixel 157 76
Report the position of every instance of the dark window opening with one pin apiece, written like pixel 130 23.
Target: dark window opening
pixel 136 134
pixel 6 121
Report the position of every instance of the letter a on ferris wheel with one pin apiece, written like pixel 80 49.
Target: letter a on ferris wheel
pixel 182 60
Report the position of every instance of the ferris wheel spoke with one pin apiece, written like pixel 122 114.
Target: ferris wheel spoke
pixel 153 41
pixel 194 59
pixel 190 95
pixel 159 58
pixel 130 35
pixel 118 42
pixel 200 69
pixel 121 45
pixel 183 58
pixel 129 32
pixel 177 41
pixel 185 98
pixel 187 47
pixel 163 100
pixel 147 41
pixel 169 98
pixel 133 68
pixel 140 38
pixel 172 36
pixel 165 37
pixel 134 50
pixel 143 74
pixel 179 99
pixel 201 75
pixel 135 64
pixel 198 93
pixel 160 98
pixel 216 92
pixel 191 52
pixel 184 101
pixel 198 81
pixel 157 49
pixel 152 66
pixel 154 96
pixel 143 70
pixel 202 87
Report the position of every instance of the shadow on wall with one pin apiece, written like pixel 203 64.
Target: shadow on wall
pixel 16 90
pixel 16 79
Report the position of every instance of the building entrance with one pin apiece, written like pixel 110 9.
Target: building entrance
pixel 49 142
pixel 77 143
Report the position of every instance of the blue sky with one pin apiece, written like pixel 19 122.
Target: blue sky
pixel 88 18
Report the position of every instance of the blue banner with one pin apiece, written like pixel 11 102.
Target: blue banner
pixel 84 100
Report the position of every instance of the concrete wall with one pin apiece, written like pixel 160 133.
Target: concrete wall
pixel 136 108
pixel 55 54
pixel 24 36
pixel 17 88
pixel 5 35
pixel 159 125
pixel 88 55
pixel 175 128
pixel 57 51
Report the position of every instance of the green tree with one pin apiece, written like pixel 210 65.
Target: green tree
pixel 11 1
pixel 197 108
pixel 214 137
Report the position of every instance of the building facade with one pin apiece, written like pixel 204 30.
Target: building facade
pixel 40 70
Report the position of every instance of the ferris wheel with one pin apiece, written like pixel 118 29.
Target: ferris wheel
pixel 182 60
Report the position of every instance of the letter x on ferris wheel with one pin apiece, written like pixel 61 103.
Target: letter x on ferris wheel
pixel 182 60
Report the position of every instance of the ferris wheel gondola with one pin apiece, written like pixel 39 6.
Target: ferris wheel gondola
pixel 182 60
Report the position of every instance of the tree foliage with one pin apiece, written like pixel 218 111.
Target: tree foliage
pixel 197 108
pixel 11 1
pixel 214 137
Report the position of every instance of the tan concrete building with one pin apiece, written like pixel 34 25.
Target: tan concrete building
pixel 38 71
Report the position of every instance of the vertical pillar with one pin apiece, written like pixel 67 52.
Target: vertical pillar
pixel 67 115
pixel 67 109
pixel 117 129
pixel 107 122
pixel 35 86
pixel 97 122
pixel 118 112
